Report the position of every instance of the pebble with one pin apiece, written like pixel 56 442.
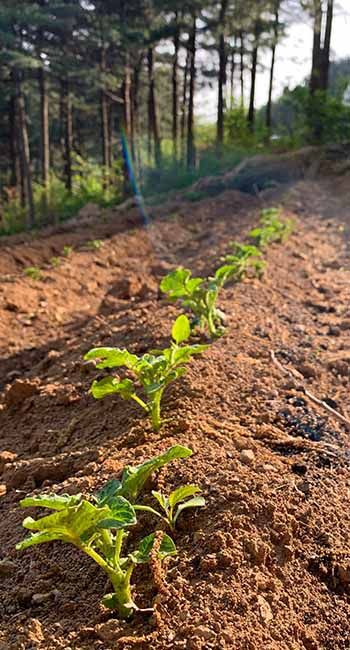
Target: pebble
pixel 247 457
pixel 204 632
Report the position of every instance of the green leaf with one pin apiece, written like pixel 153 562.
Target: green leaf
pixel 110 386
pixel 36 538
pixel 161 498
pixel 121 514
pixel 181 329
pixel 175 280
pixel 143 553
pixel 69 524
pixel 196 502
pixel 53 501
pixel 112 357
pixel 108 492
pixel 134 478
pixel 182 493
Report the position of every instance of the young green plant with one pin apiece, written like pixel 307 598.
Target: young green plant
pixel 100 529
pixel 178 500
pixel 32 272
pixel 245 260
pixel 272 228
pixel 154 370
pixel 199 295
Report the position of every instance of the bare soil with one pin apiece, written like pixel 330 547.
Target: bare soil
pixel 266 564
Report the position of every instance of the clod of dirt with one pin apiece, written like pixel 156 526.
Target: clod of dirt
pixel 34 631
pixel 308 371
pixel 7 568
pixel 204 632
pixel 108 631
pixel 39 599
pixel 20 390
pixel 39 470
pixel 6 457
pixel 134 286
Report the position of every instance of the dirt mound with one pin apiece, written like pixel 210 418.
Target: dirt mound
pixel 266 563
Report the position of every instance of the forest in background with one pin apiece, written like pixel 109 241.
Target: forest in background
pixel 99 98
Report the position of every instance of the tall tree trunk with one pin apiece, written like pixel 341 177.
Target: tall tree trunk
pixel 15 171
pixel 104 118
pixel 67 119
pixel 315 78
pixel 241 66
pixel 127 102
pixel 24 152
pixel 232 78
pixel 191 148
pixel 153 126
pixel 183 107
pixel 44 124
pixel 327 46
pixel 135 90
pixel 221 78
pixel 272 67
pixel 175 100
pixel 251 111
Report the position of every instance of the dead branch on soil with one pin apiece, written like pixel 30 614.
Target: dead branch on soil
pixel 294 374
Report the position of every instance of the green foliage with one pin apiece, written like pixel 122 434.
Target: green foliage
pixel 199 295
pixel 155 370
pixel 236 127
pixel 32 272
pixel 99 529
pixel 246 259
pixel 272 228
pixel 94 244
pixel 178 500
pixel 67 251
pixel 134 478
pixel 55 261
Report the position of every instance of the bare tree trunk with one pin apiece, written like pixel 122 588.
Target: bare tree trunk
pixel 221 78
pixel 135 111
pixel 175 87
pixel 153 127
pixel 183 108
pixel 272 67
pixel 104 119
pixel 315 78
pixel 24 152
pixel 67 119
pixel 327 46
pixel 241 57
pixel 191 148
pixel 251 111
pixel 232 78
pixel 44 122
pixel 15 171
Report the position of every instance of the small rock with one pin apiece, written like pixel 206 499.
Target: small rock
pixel 3 489
pixel 247 457
pixel 38 599
pixel 34 631
pixel 334 331
pixel 265 610
pixel 5 458
pixel 7 567
pixel 344 325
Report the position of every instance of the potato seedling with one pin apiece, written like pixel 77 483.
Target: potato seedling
pixel 55 261
pixel 246 259
pixel 67 251
pixel 178 500
pixel 33 272
pixel 94 244
pixel 272 228
pixel 154 370
pixel 99 529
pixel 199 295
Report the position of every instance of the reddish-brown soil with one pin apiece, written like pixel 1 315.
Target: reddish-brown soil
pixel 266 564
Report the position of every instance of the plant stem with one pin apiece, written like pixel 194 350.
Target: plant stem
pixel 140 402
pixel 155 410
pixel 122 590
pixel 211 324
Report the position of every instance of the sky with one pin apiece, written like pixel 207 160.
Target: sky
pixel 293 57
